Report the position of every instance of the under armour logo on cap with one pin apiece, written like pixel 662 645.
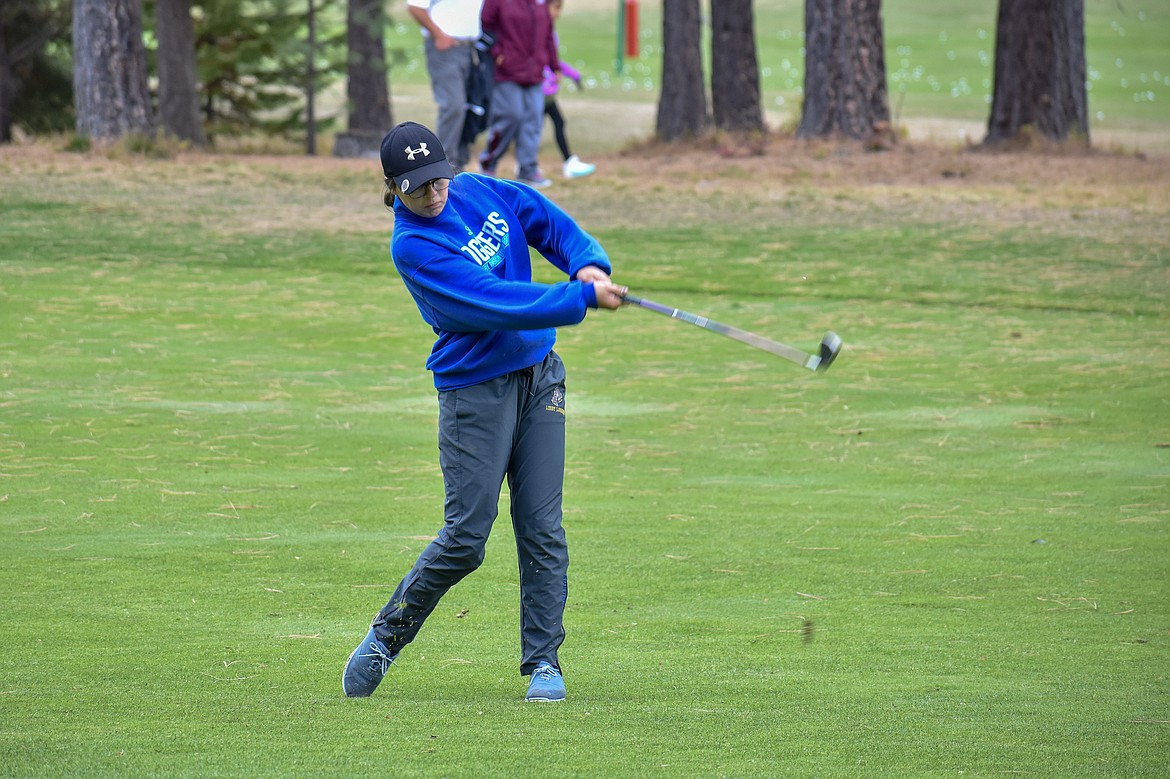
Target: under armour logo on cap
pixel 412 155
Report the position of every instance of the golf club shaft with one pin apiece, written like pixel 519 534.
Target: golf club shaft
pixel 751 339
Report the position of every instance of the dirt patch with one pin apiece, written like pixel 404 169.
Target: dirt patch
pixel 786 159
pixel 779 180
pixel 785 180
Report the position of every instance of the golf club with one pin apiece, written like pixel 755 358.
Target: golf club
pixel 830 344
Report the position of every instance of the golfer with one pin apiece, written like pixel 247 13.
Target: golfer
pixel 461 244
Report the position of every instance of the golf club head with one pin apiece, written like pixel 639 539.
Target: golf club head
pixel 830 345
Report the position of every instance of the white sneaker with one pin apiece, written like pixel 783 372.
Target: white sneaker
pixel 575 168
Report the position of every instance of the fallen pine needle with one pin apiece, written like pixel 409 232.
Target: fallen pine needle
pixel 456 661
pixel 232 679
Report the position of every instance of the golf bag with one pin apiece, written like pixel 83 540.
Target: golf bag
pixel 480 82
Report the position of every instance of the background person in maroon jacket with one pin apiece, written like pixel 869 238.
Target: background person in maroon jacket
pixel 524 47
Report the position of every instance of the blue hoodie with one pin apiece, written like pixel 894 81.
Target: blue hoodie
pixel 470 272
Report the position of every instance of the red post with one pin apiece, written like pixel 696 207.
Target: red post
pixel 631 25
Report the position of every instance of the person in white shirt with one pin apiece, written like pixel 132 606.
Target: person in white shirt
pixel 450 29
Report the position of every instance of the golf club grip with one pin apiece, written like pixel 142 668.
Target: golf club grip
pixel 743 336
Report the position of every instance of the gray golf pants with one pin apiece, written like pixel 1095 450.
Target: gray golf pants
pixel 449 71
pixel 517 114
pixel 512 427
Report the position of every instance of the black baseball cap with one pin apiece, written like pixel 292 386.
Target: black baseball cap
pixel 412 156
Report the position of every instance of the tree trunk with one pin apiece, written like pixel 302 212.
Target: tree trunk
pixel 109 69
pixel 27 79
pixel 311 84
pixel 682 104
pixel 367 88
pixel 1039 72
pixel 844 70
pixel 8 87
pixel 9 82
pixel 178 80
pixel 735 72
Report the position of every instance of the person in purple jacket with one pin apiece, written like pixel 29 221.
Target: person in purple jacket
pixel 524 46
pixel 574 166
pixel 461 245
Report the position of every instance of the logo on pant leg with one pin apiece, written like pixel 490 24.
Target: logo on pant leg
pixel 557 404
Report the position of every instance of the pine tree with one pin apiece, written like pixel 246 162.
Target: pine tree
pixel 252 62
pixel 36 73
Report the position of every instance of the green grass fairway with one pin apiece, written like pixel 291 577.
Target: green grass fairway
pixel 948 555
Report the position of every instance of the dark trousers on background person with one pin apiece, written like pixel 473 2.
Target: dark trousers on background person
pixel 553 111
pixel 511 427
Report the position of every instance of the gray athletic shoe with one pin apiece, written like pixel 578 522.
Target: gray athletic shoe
pixel 538 183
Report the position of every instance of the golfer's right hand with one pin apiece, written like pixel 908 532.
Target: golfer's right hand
pixel 609 295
